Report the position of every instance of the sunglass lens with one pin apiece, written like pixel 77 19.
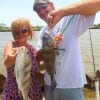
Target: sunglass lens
pixel 38 8
pixel 43 6
pixel 24 31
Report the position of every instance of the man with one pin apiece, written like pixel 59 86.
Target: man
pixel 85 7
pixel 69 75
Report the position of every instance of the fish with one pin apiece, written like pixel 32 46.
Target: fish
pixel 22 71
pixel 49 56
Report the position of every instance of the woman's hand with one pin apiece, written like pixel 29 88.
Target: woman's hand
pixel 10 54
pixel 10 58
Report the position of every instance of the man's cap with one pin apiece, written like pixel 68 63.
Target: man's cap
pixel 41 1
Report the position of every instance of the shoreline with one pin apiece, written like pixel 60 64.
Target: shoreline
pixel 40 29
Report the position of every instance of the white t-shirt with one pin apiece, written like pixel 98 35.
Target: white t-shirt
pixel 69 66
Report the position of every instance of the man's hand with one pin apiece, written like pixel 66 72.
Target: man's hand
pixel 54 17
pixel 57 39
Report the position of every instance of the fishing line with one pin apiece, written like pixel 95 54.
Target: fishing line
pixel 96 79
pixel 66 26
pixel 92 50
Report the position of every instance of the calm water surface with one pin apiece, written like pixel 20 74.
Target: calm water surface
pixel 84 42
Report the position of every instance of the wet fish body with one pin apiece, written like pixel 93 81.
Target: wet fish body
pixel 22 72
pixel 49 54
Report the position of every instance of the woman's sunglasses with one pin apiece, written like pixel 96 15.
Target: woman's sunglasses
pixel 24 31
pixel 40 6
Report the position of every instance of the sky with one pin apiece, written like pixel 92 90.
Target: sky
pixel 13 9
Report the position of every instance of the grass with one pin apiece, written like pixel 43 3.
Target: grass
pixel 89 94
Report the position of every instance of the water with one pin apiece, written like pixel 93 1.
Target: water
pixel 86 53
pixel 87 50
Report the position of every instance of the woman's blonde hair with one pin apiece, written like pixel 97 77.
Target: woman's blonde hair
pixel 18 24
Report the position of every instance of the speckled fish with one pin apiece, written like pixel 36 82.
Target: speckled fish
pixel 49 54
pixel 22 71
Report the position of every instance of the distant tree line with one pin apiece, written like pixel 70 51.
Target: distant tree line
pixel 38 28
pixel 96 26
pixel 5 28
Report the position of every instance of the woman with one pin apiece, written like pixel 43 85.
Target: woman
pixel 21 32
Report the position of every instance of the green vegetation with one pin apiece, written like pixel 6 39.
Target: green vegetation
pixel 4 28
pixel 96 26
pixel 37 28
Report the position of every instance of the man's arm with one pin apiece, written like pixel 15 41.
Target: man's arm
pixel 85 7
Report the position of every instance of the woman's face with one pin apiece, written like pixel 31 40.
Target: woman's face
pixel 21 36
